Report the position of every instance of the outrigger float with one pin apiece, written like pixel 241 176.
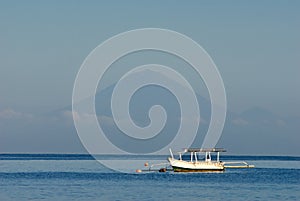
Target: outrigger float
pixel 196 165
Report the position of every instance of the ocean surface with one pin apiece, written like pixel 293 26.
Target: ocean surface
pixel 81 177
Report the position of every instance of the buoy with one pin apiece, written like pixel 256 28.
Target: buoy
pixel 146 164
pixel 138 171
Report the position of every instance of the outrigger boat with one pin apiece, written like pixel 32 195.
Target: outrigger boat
pixel 196 164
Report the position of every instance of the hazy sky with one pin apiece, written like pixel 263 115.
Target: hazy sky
pixel 255 44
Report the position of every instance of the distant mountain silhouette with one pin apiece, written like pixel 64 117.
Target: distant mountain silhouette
pixel 141 102
pixel 254 131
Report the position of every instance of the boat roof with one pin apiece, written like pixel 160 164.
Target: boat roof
pixel 204 150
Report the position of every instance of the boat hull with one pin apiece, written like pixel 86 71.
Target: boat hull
pixel 180 169
pixel 188 166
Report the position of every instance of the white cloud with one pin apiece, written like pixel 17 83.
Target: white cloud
pixel 106 120
pixel 192 120
pixel 240 122
pixel 12 114
pixel 69 115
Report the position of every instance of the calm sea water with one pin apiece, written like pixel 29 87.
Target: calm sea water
pixel 80 177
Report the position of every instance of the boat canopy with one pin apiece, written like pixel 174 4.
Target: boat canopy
pixel 204 150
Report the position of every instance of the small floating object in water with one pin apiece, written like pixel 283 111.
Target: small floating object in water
pixel 162 170
pixel 138 171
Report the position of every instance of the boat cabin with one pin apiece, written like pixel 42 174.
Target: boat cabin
pixel 195 153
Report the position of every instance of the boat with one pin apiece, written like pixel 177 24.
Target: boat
pixel 195 164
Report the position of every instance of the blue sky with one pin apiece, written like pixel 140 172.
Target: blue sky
pixel 255 45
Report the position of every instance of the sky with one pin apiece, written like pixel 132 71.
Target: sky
pixel 255 45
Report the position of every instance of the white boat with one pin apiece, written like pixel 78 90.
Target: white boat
pixel 196 165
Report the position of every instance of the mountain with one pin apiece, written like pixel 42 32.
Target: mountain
pixel 255 131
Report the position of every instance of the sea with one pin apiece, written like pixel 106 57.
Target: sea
pixel 82 177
